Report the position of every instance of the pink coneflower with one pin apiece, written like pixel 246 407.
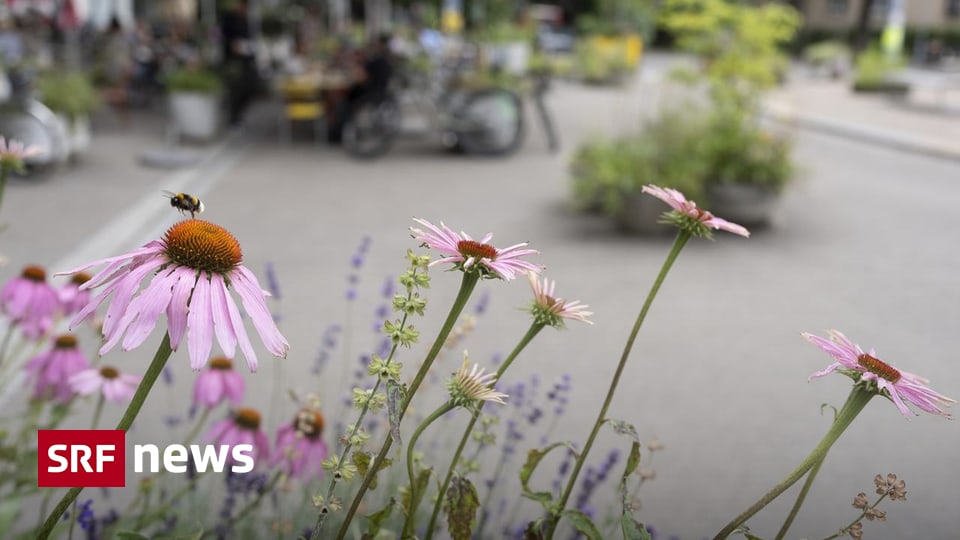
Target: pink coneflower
pixel 114 386
pixel 72 297
pixel 196 264
pixel 217 383
pixel 30 302
pixel 470 385
pixel 690 214
pixel 466 253
pixel 12 153
pixel 51 370
pixel 551 310
pixel 300 449
pixel 243 427
pixel 898 386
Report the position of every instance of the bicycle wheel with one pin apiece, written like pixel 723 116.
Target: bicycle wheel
pixel 371 129
pixel 490 123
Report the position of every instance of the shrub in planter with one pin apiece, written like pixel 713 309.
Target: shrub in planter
pixel 73 97
pixel 831 56
pixel 195 102
pixel 874 70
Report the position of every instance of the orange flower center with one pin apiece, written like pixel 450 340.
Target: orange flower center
pixel 471 248
pixel 109 373
pixel 309 423
pixel 80 278
pixel 879 368
pixel 222 363
pixel 34 273
pixel 203 246
pixel 246 418
pixel 66 341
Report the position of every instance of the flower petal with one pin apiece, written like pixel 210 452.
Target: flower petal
pixel 200 325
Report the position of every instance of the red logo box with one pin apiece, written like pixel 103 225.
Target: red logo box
pixel 81 458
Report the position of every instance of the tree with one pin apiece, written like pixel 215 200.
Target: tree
pixel 862 31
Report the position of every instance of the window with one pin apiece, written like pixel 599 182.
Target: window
pixel 880 9
pixel 953 8
pixel 838 7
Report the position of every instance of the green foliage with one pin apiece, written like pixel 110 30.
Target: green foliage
pixel 619 17
pixel 736 150
pixel 534 457
pixel 68 93
pixel 632 530
pixel 739 44
pixel 193 80
pixel 461 506
pixel 596 63
pixel 583 524
pixel 874 68
pixel 825 53
pixel 378 518
pixel 504 32
pixel 414 493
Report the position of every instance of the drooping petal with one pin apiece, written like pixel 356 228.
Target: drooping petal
pixel 151 302
pixel 221 317
pixel 177 309
pixel 241 332
pixel 200 325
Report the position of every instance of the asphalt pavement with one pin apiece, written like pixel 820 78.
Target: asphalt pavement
pixel 864 242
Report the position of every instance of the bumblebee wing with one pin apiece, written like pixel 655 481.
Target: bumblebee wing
pixel 199 206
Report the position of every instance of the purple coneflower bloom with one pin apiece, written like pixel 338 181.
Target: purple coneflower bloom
pixel 466 253
pixel 687 208
pixel 218 382
pixel 197 262
pixel 552 310
pixel 300 448
pixel 12 153
pixel 243 427
pixel 898 386
pixel 72 297
pixel 51 370
pixel 30 302
pixel 115 386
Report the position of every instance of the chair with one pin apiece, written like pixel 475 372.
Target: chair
pixel 301 103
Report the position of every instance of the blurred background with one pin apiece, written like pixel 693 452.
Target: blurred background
pixel 314 130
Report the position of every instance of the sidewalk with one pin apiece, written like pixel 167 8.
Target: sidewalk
pixel 923 122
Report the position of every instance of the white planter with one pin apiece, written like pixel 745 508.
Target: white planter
pixel 195 115
pixel 78 132
pixel 512 57
pixel 742 203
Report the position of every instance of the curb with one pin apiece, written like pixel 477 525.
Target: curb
pixel 859 132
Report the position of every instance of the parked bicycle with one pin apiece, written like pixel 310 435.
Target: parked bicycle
pixel 482 122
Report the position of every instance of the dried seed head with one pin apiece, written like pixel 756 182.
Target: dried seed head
pixel 856 531
pixel 860 501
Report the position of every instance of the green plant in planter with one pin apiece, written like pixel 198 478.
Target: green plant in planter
pixel 873 70
pixel 736 150
pixel 193 80
pixel 69 93
pixel 598 64
pixel 504 32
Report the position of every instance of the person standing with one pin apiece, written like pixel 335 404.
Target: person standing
pixel 239 61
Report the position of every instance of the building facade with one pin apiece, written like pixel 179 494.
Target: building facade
pixel 842 14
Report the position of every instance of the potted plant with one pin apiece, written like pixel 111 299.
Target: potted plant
pixel 505 43
pixel 746 168
pixel 195 102
pixel 874 73
pixel 72 97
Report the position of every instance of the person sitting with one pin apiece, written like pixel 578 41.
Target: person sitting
pixel 372 77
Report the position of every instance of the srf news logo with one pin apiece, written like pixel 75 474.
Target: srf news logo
pixel 97 458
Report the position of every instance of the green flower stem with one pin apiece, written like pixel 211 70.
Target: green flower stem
pixel 8 334
pixel 408 523
pixel 197 427
pixel 96 412
pixel 4 173
pixel 858 399
pixel 321 517
pixel 678 244
pixel 524 341
pixel 149 378
pixel 800 498
pixel 469 282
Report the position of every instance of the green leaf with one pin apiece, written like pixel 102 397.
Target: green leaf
pixel 461 508
pixel 414 494
pixel 394 397
pixel 632 530
pixel 9 509
pixel 534 530
pixel 130 535
pixel 194 534
pixel 534 457
pixel 633 460
pixel 583 524
pixel 624 428
pixel 378 518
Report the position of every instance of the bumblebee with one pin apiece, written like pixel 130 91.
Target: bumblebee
pixel 185 203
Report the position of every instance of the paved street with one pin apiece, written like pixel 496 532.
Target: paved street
pixel 864 242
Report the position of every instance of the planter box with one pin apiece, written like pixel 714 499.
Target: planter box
pixel 512 57
pixel 195 115
pixel 78 132
pixel 640 214
pixel 747 205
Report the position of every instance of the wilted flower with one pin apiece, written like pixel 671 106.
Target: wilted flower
pixel 12 153
pixel 30 302
pixel 466 253
pixel 300 448
pixel 551 310
pixel 243 427
pixel 195 265
pixel 898 386
pixel 860 501
pixel 115 386
pixel 856 531
pixel 72 297
pixel 688 216
pixel 51 370
pixel 890 486
pixel 218 382
pixel 470 385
